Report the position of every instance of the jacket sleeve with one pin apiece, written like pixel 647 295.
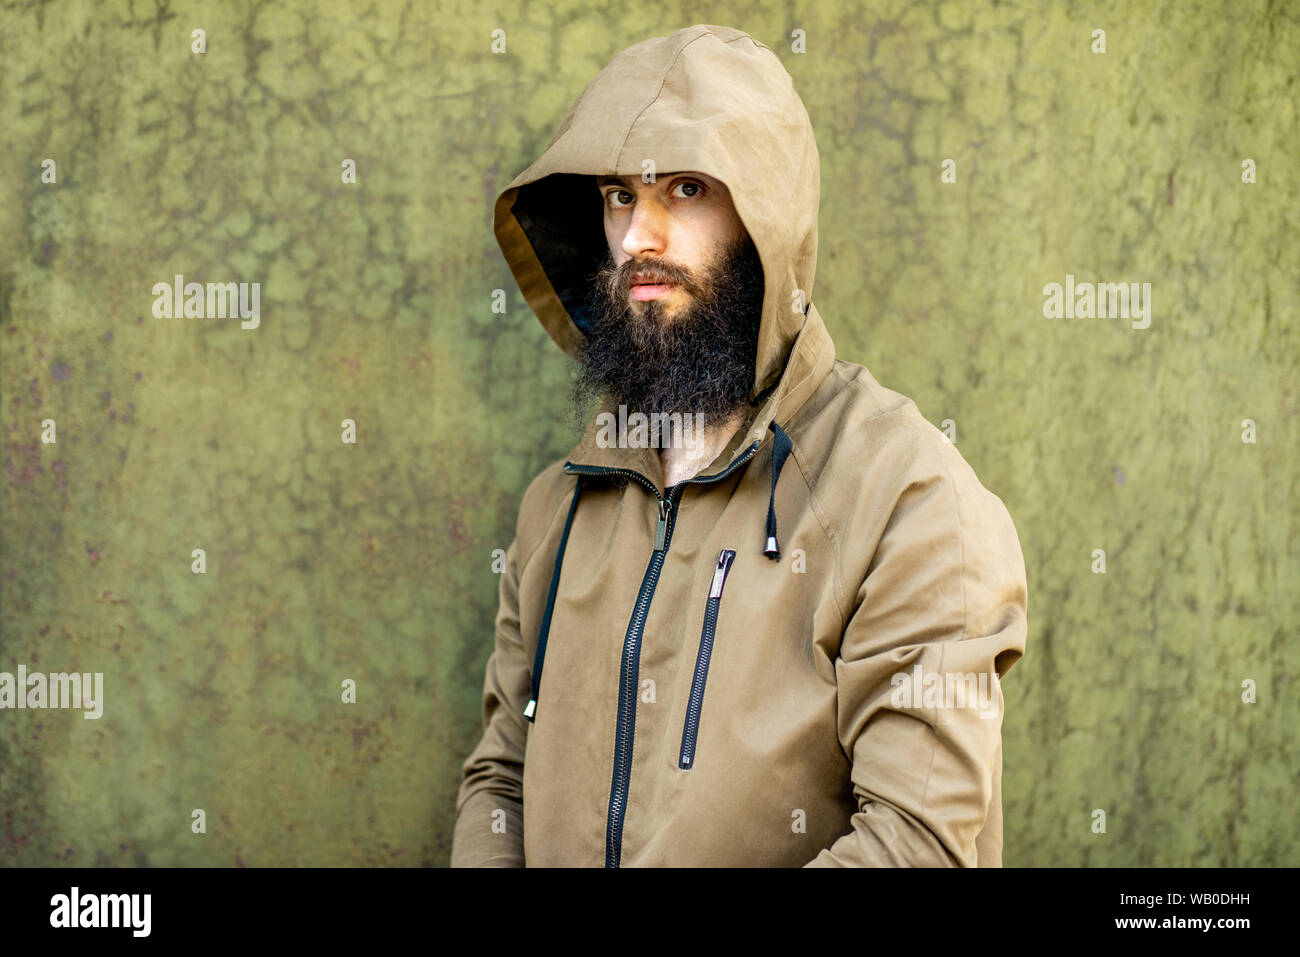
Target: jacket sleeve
pixel 489 807
pixel 945 593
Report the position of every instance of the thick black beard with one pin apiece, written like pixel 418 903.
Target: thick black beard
pixel 702 360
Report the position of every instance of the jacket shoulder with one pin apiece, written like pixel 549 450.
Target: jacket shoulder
pixel 880 471
pixel 854 424
pixel 548 492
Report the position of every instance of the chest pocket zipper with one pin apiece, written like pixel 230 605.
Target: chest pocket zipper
pixel 686 760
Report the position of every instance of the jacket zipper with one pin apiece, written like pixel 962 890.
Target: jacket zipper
pixel 627 685
pixel 686 760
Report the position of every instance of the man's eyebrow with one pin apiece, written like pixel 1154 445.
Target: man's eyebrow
pixel 602 181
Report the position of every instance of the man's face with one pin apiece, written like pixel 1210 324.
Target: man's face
pixel 677 305
pixel 677 223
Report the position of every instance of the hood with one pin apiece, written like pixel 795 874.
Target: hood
pixel 710 99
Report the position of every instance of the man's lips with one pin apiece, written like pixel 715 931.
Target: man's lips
pixel 650 290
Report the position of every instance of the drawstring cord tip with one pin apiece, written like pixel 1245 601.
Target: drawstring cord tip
pixel 531 709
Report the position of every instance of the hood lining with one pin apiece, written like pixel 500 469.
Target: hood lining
pixel 567 239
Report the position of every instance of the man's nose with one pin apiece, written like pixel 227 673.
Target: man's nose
pixel 647 233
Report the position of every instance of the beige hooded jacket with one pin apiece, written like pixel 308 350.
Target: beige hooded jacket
pixel 791 658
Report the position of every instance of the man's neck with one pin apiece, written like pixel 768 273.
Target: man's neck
pixel 681 463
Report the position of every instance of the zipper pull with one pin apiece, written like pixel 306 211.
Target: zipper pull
pixel 725 558
pixel 661 529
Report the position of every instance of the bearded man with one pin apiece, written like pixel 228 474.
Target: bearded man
pixel 718 690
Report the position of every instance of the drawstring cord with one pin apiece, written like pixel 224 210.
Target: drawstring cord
pixel 781 446
pixel 540 656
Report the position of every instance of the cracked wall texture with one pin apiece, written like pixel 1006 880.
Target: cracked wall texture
pixel 373 562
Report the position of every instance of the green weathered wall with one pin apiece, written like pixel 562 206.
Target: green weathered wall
pixel 373 562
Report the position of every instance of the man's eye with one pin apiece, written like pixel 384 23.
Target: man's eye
pixel 696 189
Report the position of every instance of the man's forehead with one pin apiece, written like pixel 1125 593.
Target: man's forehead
pixel 628 180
